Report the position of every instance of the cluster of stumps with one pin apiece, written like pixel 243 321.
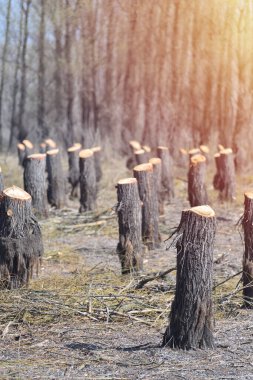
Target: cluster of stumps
pixel 21 245
pixel 140 203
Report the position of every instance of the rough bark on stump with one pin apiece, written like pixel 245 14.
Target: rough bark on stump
pixel 141 157
pixel 21 246
pixel 97 161
pixel 129 248
pixel 167 173
pixel 157 175
pixel 150 214
pixel 247 224
pixel 21 153
pixel 227 173
pixel 1 180
pixel 73 177
pixel 56 182
pixel 35 182
pixel 88 187
pixel 197 193
pixel 191 317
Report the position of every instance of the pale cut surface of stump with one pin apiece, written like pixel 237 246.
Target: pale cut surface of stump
pixel 21 246
pixel 35 182
pixel 191 317
pixel 129 248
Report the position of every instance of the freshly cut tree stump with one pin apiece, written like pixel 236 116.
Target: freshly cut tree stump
pixel 247 224
pixel 35 182
pixel 141 157
pixel 29 148
pixel 56 182
pixel 220 147
pixel 157 175
pixel 135 145
pixel 191 318
pixel 167 173
pixel 1 180
pixel 78 145
pixel 150 214
pixel 88 187
pixel 21 153
pixel 197 193
pixel 227 173
pixel 97 160
pixel 193 152
pixel 129 248
pixel 21 246
pixel 73 177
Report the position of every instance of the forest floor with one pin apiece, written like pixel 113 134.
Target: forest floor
pixel 80 319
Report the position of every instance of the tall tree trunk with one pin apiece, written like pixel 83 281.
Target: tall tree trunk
pixel 16 81
pixel 42 128
pixel 2 80
pixel 23 91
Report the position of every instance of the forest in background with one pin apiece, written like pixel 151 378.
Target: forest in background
pixel 171 72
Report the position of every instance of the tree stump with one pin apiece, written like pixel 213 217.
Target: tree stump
pixel 227 173
pixel 88 187
pixel 197 193
pixel 167 173
pixel 1 180
pixel 191 317
pixel 157 175
pixel 247 224
pixel 56 182
pixel 193 152
pixel 97 160
pixel 29 148
pixel 129 248
pixel 150 215
pixel 21 153
pixel 21 246
pixel 74 173
pixel 35 182
pixel 141 157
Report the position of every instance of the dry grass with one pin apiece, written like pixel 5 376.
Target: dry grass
pixel 81 314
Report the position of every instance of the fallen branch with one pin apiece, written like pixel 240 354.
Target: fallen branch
pixel 227 279
pixel 144 281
